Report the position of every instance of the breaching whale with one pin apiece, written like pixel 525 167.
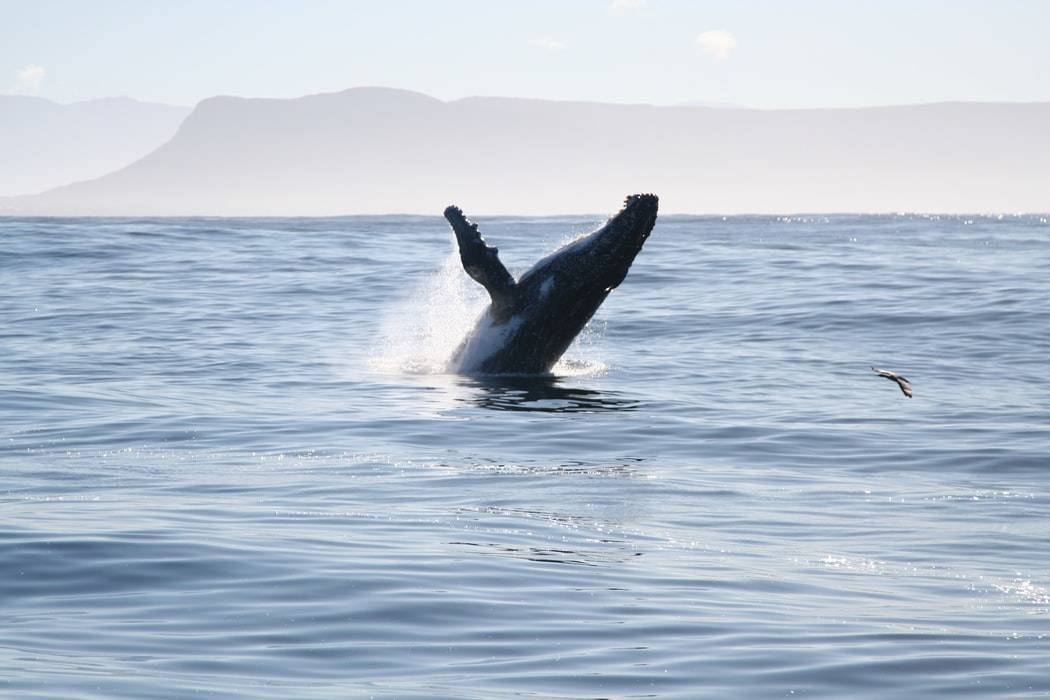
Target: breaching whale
pixel 531 322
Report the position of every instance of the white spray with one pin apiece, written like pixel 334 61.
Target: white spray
pixel 421 331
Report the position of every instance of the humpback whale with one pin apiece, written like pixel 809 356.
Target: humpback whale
pixel 532 321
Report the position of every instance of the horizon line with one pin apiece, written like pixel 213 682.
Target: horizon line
pixel 781 215
pixel 687 104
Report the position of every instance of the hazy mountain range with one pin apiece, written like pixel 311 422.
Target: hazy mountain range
pixel 378 150
pixel 44 144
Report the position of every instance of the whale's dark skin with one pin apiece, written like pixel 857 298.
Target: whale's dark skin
pixel 532 321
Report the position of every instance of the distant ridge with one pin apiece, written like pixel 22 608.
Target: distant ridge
pixel 381 150
pixel 44 144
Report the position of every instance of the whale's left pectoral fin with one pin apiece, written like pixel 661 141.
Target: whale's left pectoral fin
pixel 481 261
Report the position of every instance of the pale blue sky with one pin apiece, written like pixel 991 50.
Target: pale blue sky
pixel 772 53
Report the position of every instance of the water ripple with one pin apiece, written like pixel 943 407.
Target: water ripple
pixel 234 468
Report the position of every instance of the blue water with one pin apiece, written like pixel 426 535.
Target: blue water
pixel 232 468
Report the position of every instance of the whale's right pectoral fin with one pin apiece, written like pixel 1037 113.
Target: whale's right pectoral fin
pixel 481 261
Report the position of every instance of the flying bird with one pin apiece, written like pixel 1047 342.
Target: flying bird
pixel 903 383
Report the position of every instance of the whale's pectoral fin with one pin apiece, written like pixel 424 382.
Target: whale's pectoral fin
pixel 481 261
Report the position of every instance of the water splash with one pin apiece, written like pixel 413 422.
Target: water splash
pixel 420 333
pixel 583 358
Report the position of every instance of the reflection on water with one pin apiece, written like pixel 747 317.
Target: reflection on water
pixel 548 555
pixel 541 393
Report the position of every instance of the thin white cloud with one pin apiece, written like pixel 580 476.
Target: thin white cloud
pixel 548 44
pixel 717 42
pixel 27 80
pixel 620 7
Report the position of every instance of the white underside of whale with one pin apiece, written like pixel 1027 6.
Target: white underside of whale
pixel 485 340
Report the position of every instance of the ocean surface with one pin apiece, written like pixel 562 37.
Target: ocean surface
pixel 231 464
